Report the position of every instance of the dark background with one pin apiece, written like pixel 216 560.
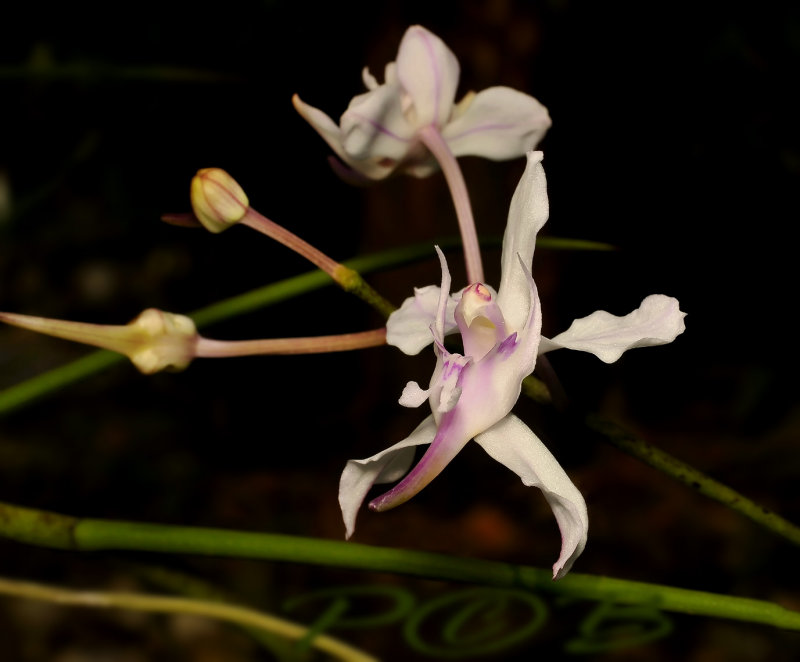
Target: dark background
pixel 675 138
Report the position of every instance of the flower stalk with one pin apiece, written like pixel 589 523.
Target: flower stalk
pixel 433 140
pixel 208 348
pixel 219 203
pixel 262 224
pixel 345 277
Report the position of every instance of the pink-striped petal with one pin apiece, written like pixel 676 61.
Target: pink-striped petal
pixel 499 123
pixel 428 72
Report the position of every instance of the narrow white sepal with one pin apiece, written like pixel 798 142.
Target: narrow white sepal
pixel 513 444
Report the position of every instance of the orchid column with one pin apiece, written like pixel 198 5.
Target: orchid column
pixel 411 123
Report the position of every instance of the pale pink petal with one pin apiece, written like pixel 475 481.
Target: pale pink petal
pixel 384 467
pixel 428 72
pixel 450 438
pixel 657 321
pixel 324 125
pixel 513 444
pixel 332 134
pixel 499 123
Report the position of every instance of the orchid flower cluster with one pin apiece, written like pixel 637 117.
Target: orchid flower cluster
pixel 411 124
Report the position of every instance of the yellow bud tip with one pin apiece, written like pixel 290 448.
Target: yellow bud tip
pixel 217 199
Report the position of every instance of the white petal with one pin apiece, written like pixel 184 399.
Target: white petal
pixel 513 444
pixel 374 127
pixel 413 395
pixel 657 321
pixel 384 467
pixel 323 124
pixel 428 72
pixel 528 213
pixel 332 134
pixel 499 123
pixel 409 328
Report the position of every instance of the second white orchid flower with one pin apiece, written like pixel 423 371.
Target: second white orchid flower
pixel 383 130
pixel 471 395
pixel 411 123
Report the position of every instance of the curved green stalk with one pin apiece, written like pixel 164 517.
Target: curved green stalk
pixel 697 480
pixel 162 604
pixel 684 473
pixel 49 529
pixel 180 583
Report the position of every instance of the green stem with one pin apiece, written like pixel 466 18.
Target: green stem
pixel 242 616
pixel 697 480
pixel 63 532
pixel 180 583
pixel 351 281
pixel 348 279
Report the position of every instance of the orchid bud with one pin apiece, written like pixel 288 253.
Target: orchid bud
pixel 217 199
pixel 166 341
pixel 154 341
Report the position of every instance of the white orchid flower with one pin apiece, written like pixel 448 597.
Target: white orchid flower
pixel 411 124
pixel 382 129
pixel 471 395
